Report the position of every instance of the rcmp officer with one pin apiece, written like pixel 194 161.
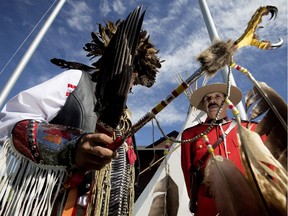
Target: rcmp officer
pixel 194 155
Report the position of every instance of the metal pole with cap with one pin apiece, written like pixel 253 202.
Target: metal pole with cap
pixel 25 59
pixel 214 36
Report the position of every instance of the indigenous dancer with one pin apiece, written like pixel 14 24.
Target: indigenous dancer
pixel 54 160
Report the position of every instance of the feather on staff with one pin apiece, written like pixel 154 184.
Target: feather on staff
pixel 225 182
pixel 264 187
pixel 270 184
pixel 270 124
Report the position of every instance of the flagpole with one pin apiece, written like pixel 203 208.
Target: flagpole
pixel 214 36
pixel 20 67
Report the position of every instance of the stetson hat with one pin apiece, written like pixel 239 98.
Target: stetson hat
pixel 198 95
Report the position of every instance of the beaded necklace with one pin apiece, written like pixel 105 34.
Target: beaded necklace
pixel 235 112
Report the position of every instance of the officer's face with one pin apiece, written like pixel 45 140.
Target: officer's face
pixel 212 102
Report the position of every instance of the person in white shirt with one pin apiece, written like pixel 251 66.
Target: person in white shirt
pixel 50 145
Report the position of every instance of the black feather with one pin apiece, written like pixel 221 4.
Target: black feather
pixel 72 65
pixel 116 69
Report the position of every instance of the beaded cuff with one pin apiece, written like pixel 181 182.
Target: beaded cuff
pixel 46 143
pixel 23 135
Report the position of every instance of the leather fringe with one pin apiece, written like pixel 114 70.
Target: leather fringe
pixel 27 188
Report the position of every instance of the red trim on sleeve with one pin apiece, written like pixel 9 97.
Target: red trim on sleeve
pixel 70 88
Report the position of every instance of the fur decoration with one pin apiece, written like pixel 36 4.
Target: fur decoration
pixel 218 55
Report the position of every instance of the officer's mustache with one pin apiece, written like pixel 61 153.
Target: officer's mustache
pixel 212 104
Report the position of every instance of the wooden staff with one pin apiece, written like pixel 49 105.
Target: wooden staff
pixel 158 108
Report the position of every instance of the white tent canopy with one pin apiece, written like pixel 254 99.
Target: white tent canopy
pixel 173 161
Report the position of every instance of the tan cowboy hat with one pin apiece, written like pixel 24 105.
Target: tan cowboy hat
pixel 198 95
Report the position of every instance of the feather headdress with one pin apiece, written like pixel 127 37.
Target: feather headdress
pixel 123 49
pixel 146 62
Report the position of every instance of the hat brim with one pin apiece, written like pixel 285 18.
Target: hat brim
pixel 198 95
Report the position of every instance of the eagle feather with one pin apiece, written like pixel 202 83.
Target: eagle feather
pixel 265 100
pixel 166 199
pixel 266 175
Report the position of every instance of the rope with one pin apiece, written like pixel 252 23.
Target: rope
pixel 149 167
pixel 28 36
pixel 153 140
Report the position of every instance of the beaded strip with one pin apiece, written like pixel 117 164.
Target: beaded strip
pixel 208 144
pixel 32 129
pixel 239 68
pixel 231 106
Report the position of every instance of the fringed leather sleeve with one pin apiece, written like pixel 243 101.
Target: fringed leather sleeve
pixel 45 143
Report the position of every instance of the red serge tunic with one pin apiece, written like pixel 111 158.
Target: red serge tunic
pixel 192 152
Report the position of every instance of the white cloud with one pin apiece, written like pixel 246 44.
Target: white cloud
pixel 118 7
pixel 40 79
pixel 79 16
pixel 104 7
pixel 175 113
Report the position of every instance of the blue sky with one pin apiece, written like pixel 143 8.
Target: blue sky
pixel 177 29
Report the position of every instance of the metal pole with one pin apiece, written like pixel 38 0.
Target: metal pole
pixel 214 36
pixel 20 67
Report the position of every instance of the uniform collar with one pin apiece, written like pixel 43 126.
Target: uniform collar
pixel 219 121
